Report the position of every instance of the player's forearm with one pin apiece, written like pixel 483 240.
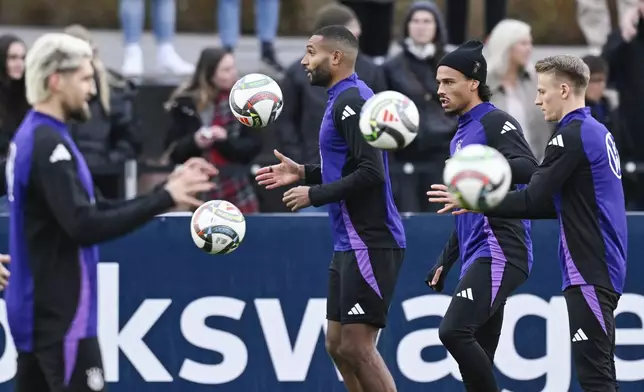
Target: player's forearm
pixel 522 169
pixel 450 253
pixel 93 226
pixel 342 189
pixel 520 205
pixel 311 174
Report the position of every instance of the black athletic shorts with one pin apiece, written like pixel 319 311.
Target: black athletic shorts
pixel 63 367
pixel 361 285
pixel 592 330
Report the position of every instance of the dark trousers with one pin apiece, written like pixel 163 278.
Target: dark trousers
pixel 457 16
pixel 591 319
pixel 472 325
pixel 376 21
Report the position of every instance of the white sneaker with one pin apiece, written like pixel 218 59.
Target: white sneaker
pixel 132 61
pixel 169 61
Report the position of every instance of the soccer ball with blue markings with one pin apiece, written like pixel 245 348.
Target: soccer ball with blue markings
pixel 217 227
pixel 389 120
pixel 256 100
pixel 479 176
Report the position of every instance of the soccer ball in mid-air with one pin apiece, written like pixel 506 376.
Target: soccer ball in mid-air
pixel 256 100
pixel 217 227
pixel 478 176
pixel 389 120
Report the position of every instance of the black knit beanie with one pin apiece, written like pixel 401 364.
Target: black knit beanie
pixel 468 59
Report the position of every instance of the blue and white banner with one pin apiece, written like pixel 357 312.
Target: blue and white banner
pixel 175 319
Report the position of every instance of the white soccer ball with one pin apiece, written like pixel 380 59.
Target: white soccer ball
pixel 389 120
pixel 217 227
pixel 256 100
pixel 478 176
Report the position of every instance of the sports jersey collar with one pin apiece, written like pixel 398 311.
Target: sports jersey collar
pixel 578 114
pixel 52 120
pixel 340 86
pixel 476 113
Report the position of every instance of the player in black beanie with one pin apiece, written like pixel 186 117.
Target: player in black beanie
pixel 467 60
pixel 495 254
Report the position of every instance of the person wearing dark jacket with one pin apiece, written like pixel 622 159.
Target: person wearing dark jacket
pixel 600 106
pixel 624 52
pixel 377 20
pixel 413 73
pixel 298 125
pixel 202 124
pixel 107 140
pixel 13 99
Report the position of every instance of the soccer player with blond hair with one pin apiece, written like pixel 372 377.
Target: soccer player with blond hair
pixel 579 183
pixel 57 218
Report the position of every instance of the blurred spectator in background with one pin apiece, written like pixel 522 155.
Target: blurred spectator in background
pixel 513 81
pixel 13 99
pixel 624 52
pixel 413 73
pixel 457 18
pixel 600 105
pixel 594 21
pixel 107 140
pixel 203 125
pixel 298 126
pixel 376 19
pixel 267 14
pixel 132 14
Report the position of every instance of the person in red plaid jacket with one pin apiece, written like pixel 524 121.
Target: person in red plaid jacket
pixel 203 125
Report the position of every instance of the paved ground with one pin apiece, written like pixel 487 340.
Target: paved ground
pixel 189 45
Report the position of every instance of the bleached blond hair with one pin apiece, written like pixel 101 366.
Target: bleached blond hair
pixel 51 53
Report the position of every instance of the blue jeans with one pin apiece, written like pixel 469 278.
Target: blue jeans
pixel 267 13
pixel 164 13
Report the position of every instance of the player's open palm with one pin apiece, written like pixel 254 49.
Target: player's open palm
pixel 284 173
pixel 184 185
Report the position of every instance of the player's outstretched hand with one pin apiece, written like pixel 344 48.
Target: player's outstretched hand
pixel 195 163
pixel 297 198
pixel 184 185
pixel 441 195
pixel 284 173
pixel 4 273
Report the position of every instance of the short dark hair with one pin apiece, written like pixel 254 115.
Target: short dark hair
pixel 339 34
pixel 484 91
pixel 596 64
pixel 333 14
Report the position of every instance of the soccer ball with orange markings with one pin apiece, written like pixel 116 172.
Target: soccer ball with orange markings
pixel 389 120
pixel 217 227
pixel 479 176
pixel 256 100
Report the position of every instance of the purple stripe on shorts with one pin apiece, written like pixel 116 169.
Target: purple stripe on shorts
pixel 574 277
pixel 360 249
pixel 78 328
pixel 591 299
pixel 498 259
